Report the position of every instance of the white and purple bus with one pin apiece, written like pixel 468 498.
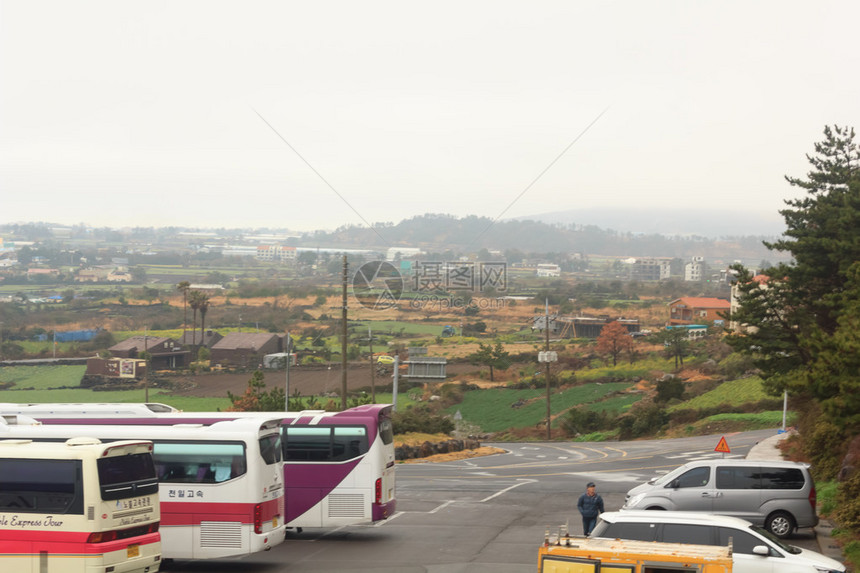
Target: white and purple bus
pixel 338 466
pixel 220 484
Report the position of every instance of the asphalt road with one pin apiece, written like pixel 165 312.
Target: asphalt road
pixel 486 514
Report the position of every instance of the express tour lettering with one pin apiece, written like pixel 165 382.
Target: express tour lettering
pixel 23 523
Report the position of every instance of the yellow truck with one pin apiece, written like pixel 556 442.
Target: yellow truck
pixel 574 554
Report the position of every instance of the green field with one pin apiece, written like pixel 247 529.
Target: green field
pixel 41 377
pixel 384 327
pixel 493 409
pixel 617 405
pixel 740 422
pixel 641 369
pixel 60 384
pixel 733 392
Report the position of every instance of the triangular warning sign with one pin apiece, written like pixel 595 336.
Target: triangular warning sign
pixel 723 446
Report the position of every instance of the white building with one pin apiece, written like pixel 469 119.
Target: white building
pixel 695 270
pixel 276 253
pixel 548 270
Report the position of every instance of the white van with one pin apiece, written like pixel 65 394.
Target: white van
pixel 754 549
pixel 780 496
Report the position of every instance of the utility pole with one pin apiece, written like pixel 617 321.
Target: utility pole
pixel 343 340
pixel 146 366
pixel 287 382
pixel 396 379
pixel 546 349
pixel 372 367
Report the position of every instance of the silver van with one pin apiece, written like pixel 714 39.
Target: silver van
pixel 777 495
pixel 754 550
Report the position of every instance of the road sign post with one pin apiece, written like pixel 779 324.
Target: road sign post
pixel 723 447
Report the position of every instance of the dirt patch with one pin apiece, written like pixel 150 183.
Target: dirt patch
pixel 454 456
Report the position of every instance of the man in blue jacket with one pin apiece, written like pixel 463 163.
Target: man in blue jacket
pixel 590 505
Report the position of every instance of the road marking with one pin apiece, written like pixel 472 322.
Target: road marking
pixel 610 477
pixel 507 489
pixel 622 452
pixel 443 506
pixel 438 508
pixel 392 518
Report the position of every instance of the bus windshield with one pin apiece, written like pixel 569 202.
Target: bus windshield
pixel 122 477
pixel 386 430
pixel 270 448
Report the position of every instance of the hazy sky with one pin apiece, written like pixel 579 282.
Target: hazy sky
pixel 158 113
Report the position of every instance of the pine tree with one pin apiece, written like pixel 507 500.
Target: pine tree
pixel 802 323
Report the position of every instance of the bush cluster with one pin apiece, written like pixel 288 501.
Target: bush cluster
pixel 420 418
pixel 645 418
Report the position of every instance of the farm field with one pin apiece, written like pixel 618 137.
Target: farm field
pixel 498 409
pixel 733 393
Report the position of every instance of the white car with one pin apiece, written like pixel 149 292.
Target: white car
pixel 755 549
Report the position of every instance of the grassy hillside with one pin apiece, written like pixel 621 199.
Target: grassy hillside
pixel 733 392
pixel 494 410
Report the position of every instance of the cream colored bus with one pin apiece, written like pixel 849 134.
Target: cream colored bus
pixel 79 506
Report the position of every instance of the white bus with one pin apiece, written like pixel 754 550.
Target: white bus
pixel 339 467
pixel 221 485
pixel 80 506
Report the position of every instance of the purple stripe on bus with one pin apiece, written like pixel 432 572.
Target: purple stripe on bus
pixel 308 484
pixel 384 510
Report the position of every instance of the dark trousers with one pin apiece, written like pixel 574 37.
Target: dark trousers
pixel 588 524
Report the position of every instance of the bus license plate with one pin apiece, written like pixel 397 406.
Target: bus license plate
pixel 275 522
pixel 133 551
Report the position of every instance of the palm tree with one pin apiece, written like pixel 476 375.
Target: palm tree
pixel 183 288
pixel 194 298
pixel 204 303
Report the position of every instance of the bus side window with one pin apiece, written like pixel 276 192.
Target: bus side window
pixel 204 474
pixel 174 473
pixel 237 468
pixel 222 471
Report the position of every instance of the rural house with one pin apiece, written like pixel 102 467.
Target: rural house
pixel 580 326
pixel 697 310
pixel 193 338
pixel 245 349
pixel 164 353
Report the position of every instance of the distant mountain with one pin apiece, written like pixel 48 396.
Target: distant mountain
pixel 675 222
pixel 438 233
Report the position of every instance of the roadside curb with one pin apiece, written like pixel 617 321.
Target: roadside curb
pixel 826 544
pixel 768 450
